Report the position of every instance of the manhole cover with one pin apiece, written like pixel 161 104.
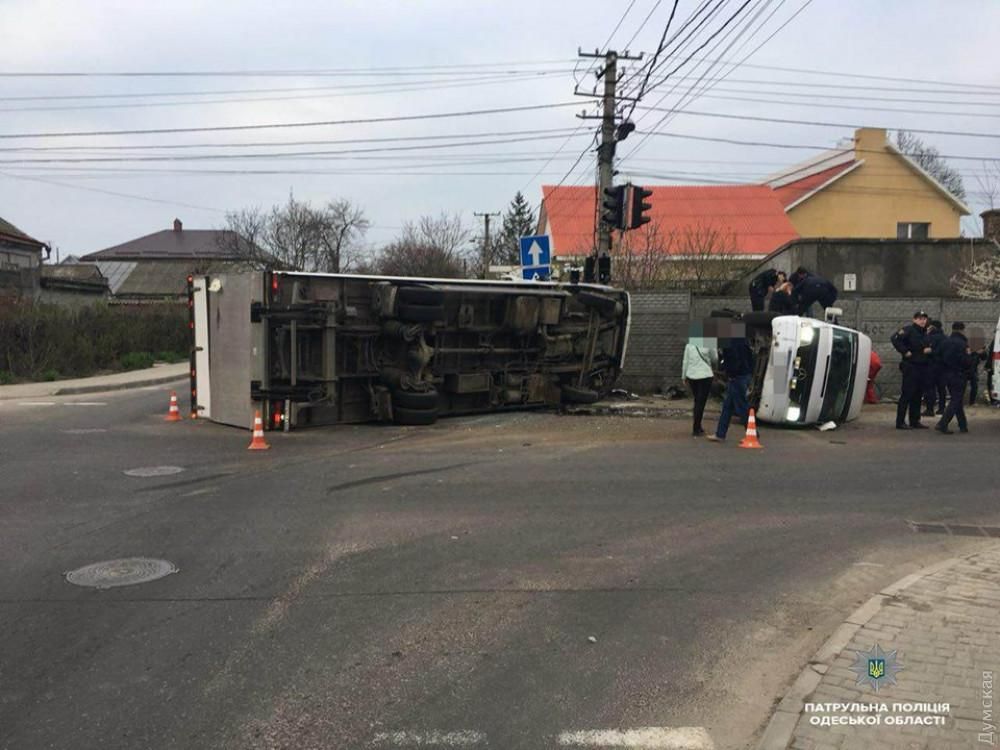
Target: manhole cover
pixel 153 471
pixel 124 572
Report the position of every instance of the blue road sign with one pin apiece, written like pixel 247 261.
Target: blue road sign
pixel 535 257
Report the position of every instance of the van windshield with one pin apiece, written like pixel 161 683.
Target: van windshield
pixel 840 377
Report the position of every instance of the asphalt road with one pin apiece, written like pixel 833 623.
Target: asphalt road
pixel 507 582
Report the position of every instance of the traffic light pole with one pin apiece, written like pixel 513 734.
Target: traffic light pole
pixel 606 155
pixel 606 151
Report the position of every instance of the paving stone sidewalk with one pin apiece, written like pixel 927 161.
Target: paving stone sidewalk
pixel 945 626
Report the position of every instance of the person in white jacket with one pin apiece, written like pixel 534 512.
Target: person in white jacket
pixel 698 371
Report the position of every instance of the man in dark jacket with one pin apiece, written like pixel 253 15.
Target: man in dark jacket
pixel 762 284
pixel 911 343
pixel 935 392
pixel 736 360
pixel 811 289
pixel 955 359
pixel 972 376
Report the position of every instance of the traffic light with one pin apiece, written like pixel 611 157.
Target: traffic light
pixel 613 207
pixel 638 209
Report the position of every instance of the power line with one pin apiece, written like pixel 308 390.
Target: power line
pixel 659 49
pixel 801 146
pixel 111 192
pixel 266 155
pixel 689 94
pixel 279 89
pixel 281 144
pixel 949 113
pixel 303 72
pixel 319 123
pixel 396 89
pixel 707 41
pixel 863 76
pixel 784 121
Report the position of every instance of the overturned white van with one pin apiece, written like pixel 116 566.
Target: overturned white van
pixel 807 371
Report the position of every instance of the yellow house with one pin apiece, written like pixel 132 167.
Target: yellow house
pixel 867 188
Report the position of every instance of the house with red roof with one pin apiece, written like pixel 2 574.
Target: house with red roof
pixel 864 188
pixel 867 188
pixel 741 221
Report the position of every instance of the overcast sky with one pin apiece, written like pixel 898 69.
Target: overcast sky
pixel 448 57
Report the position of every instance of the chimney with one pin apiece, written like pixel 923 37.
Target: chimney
pixel 177 225
pixel 991 224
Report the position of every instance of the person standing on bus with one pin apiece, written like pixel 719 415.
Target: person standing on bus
pixel 763 284
pixel 810 290
pixel 911 343
pixel 699 371
pixel 955 359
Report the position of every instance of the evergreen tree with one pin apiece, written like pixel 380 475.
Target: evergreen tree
pixel 519 221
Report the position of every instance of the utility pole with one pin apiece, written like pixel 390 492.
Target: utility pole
pixel 487 250
pixel 606 150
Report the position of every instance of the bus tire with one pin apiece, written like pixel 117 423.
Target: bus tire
pixel 406 416
pixel 572 394
pixel 420 400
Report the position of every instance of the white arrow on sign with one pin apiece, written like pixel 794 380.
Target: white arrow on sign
pixel 535 251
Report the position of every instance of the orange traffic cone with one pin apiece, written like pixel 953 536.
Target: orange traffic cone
pixel 751 441
pixel 173 413
pixel 258 443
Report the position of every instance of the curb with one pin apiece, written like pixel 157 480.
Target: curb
pixel 780 728
pixel 54 388
pixel 96 388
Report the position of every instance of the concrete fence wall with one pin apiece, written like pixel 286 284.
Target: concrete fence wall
pixel 660 323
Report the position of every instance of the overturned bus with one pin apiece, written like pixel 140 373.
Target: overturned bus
pixel 323 349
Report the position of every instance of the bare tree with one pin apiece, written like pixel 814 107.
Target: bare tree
pixel 931 161
pixel 297 236
pixel 988 182
pixel 432 246
pixel 243 237
pixel 344 228
pixel 702 258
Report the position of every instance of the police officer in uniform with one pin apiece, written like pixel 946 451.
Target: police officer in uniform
pixel 956 357
pixel 935 391
pixel 762 284
pixel 912 344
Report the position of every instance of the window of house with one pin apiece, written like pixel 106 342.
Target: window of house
pixel 912 230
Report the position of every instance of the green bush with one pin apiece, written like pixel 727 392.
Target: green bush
pixel 136 360
pixel 6 377
pixel 171 357
pixel 50 375
pixel 37 339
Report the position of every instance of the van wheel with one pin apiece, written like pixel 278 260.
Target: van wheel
pixel 420 313
pixel 575 395
pixel 406 416
pixel 421 400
